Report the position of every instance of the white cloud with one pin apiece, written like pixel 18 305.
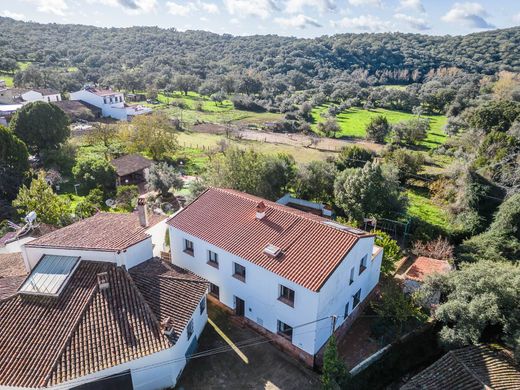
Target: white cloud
pixel 210 8
pixel 56 7
pixel 415 5
pixel 369 23
pixel 12 15
pixel 414 22
pixel 131 7
pixel 297 21
pixel 296 6
pixel 260 8
pixel 468 14
pixel 516 18
pixel 373 3
pixel 179 9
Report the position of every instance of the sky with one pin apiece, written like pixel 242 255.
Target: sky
pixel 301 18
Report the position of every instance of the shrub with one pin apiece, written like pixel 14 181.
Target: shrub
pixel 93 172
pixel 353 157
pixel 411 132
pixel 378 129
pixel 126 197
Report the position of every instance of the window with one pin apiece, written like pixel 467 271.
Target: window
pixel 213 259
pixel 105 100
pixel 214 290
pixel 285 330
pixel 346 310
pixel 351 276
pixel 202 305
pixel 363 264
pixel 286 295
pixel 356 299
pixel 239 272
pixel 190 329
pixel 188 247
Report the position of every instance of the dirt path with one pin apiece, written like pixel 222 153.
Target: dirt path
pixel 293 139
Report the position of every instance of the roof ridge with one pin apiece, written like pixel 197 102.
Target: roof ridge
pixel 468 369
pixel 73 330
pixel 284 208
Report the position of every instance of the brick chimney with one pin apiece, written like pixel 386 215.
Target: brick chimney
pixel 260 210
pixel 142 210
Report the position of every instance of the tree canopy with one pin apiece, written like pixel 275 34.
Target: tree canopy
pixel 14 163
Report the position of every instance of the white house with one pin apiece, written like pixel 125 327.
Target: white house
pixel 43 95
pixel 112 103
pixel 98 309
pixel 290 274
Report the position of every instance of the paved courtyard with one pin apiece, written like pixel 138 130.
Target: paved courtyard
pixel 257 366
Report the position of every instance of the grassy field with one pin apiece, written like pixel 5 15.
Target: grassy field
pixel 202 109
pixel 421 206
pixel 196 145
pixel 354 121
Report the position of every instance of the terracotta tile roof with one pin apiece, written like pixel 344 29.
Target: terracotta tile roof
pixel 470 368
pixel 312 248
pixel 103 231
pixel 46 341
pixel 12 274
pixel 170 291
pixel 102 92
pixel 130 163
pixel 426 266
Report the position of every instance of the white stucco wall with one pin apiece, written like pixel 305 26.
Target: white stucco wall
pixel 130 257
pixel 34 96
pixel 261 289
pixel 158 232
pixel 112 109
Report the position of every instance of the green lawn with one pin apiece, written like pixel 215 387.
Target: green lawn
pixel 422 207
pixel 354 121
pixel 8 78
pixel 210 112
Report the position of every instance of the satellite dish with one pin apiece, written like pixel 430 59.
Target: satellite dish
pixel 31 217
pixel 110 202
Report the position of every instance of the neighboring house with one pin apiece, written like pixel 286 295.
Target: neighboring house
pixel 287 273
pixel 421 268
pixel 111 103
pixel 6 95
pixel 132 169
pixel 40 95
pixel 78 110
pixel 97 310
pixel 305 205
pixel 470 368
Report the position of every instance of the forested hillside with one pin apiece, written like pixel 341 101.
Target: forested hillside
pixel 140 56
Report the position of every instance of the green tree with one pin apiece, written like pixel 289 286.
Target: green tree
pixel 391 252
pixel 104 135
pixel 92 172
pixel 378 128
pixel 353 157
pixel 335 374
pixel 90 204
pixel 496 115
pixel 126 196
pixel 163 178
pixel 152 134
pixel 315 181
pixel 330 127
pixel 408 163
pixel 186 83
pixel 501 241
pixel 14 163
pixel 42 126
pixel 411 132
pixel 40 197
pixel 479 297
pixel 358 191
pixel 252 172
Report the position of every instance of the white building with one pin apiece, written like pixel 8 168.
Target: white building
pixel 112 103
pixel 98 309
pixel 290 274
pixel 40 95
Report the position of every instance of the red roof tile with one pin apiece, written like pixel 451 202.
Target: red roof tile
pixel 49 340
pixel 424 267
pixel 130 163
pixel 470 368
pixel 312 249
pixel 12 273
pixel 103 231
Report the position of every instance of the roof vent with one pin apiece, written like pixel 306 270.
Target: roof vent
pixel 102 279
pixel 167 326
pixel 272 250
pixel 260 210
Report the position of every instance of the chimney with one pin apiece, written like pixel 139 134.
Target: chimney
pixel 167 326
pixel 102 279
pixel 260 210
pixel 142 211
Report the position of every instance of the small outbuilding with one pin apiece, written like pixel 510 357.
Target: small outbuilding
pixel 132 169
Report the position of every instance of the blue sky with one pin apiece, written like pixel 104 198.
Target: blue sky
pixel 303 18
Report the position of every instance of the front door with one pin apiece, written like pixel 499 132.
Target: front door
pixel 240 307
